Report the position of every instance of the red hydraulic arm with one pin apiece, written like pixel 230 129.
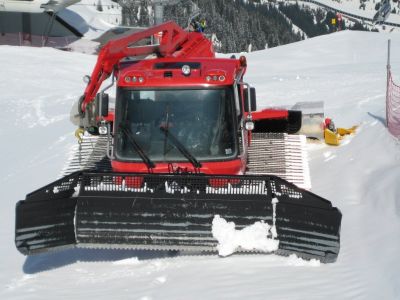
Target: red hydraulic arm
pixel 175 42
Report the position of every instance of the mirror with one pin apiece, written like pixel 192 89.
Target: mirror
pixel 253 101
pixel 102 101
pixel 86 79
pixel 104 105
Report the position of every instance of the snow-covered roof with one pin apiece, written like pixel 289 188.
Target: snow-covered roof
pixel 92 23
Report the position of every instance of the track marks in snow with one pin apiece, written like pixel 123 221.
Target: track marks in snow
pixel 40 111
pixel 18 283
pixel 384 191
pixel 367 100
pixel 43 119
pixel 160 280
pixel 152 272
pixel 328 155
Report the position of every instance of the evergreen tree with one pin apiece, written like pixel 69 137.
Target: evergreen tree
pixel 235 23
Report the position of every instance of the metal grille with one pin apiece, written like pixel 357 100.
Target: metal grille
pixel 173 184
pixel 282 155
pixel 187 185
pixel 62 188
pixel 88 155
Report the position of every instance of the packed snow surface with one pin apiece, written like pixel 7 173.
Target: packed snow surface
pixel 299 262
pixel 257 236
pixel 346 70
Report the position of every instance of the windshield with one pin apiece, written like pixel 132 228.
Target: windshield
pixel 201 121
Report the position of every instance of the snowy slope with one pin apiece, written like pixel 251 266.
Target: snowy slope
pixel 353 7
pixel 91 22
pixel 351 12
pixel 346 70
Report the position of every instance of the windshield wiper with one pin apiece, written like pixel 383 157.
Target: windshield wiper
pixel 136 147
pixel 180 147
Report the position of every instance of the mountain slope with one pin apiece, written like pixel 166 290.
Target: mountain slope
pixel 237 24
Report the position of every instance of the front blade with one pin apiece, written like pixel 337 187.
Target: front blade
pixel 45 219
pixel 175 212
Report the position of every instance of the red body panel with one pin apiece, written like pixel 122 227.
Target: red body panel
pixel 270 114
pixel 153 77
pixel 232 167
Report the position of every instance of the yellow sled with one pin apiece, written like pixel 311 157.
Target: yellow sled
pixel 345 131
pixel 333 138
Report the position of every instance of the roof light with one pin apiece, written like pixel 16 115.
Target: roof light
pixel 186 70
pixel 215 77
pixel 127 79
pixel 134 79
pixel 141 79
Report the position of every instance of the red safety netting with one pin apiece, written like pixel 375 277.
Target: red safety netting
pixel 393 106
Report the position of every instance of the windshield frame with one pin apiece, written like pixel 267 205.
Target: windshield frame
pixel 234 126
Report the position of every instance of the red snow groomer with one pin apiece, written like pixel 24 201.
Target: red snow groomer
pixel 182 143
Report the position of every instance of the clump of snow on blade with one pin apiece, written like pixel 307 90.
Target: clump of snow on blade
pixel 253 237
pixel 293 260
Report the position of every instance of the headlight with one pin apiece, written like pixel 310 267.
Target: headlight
pixel 186 70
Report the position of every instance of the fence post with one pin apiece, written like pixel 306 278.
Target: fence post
pixel 387 83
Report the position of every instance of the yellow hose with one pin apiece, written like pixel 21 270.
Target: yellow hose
pixel 79 134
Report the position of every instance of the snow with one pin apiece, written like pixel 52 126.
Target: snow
pixel 298 262
pixel 257 236
pixel 352 8
pixel 346 70
pixel 89 21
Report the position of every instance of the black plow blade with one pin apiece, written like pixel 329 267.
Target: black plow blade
pixel 172 212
